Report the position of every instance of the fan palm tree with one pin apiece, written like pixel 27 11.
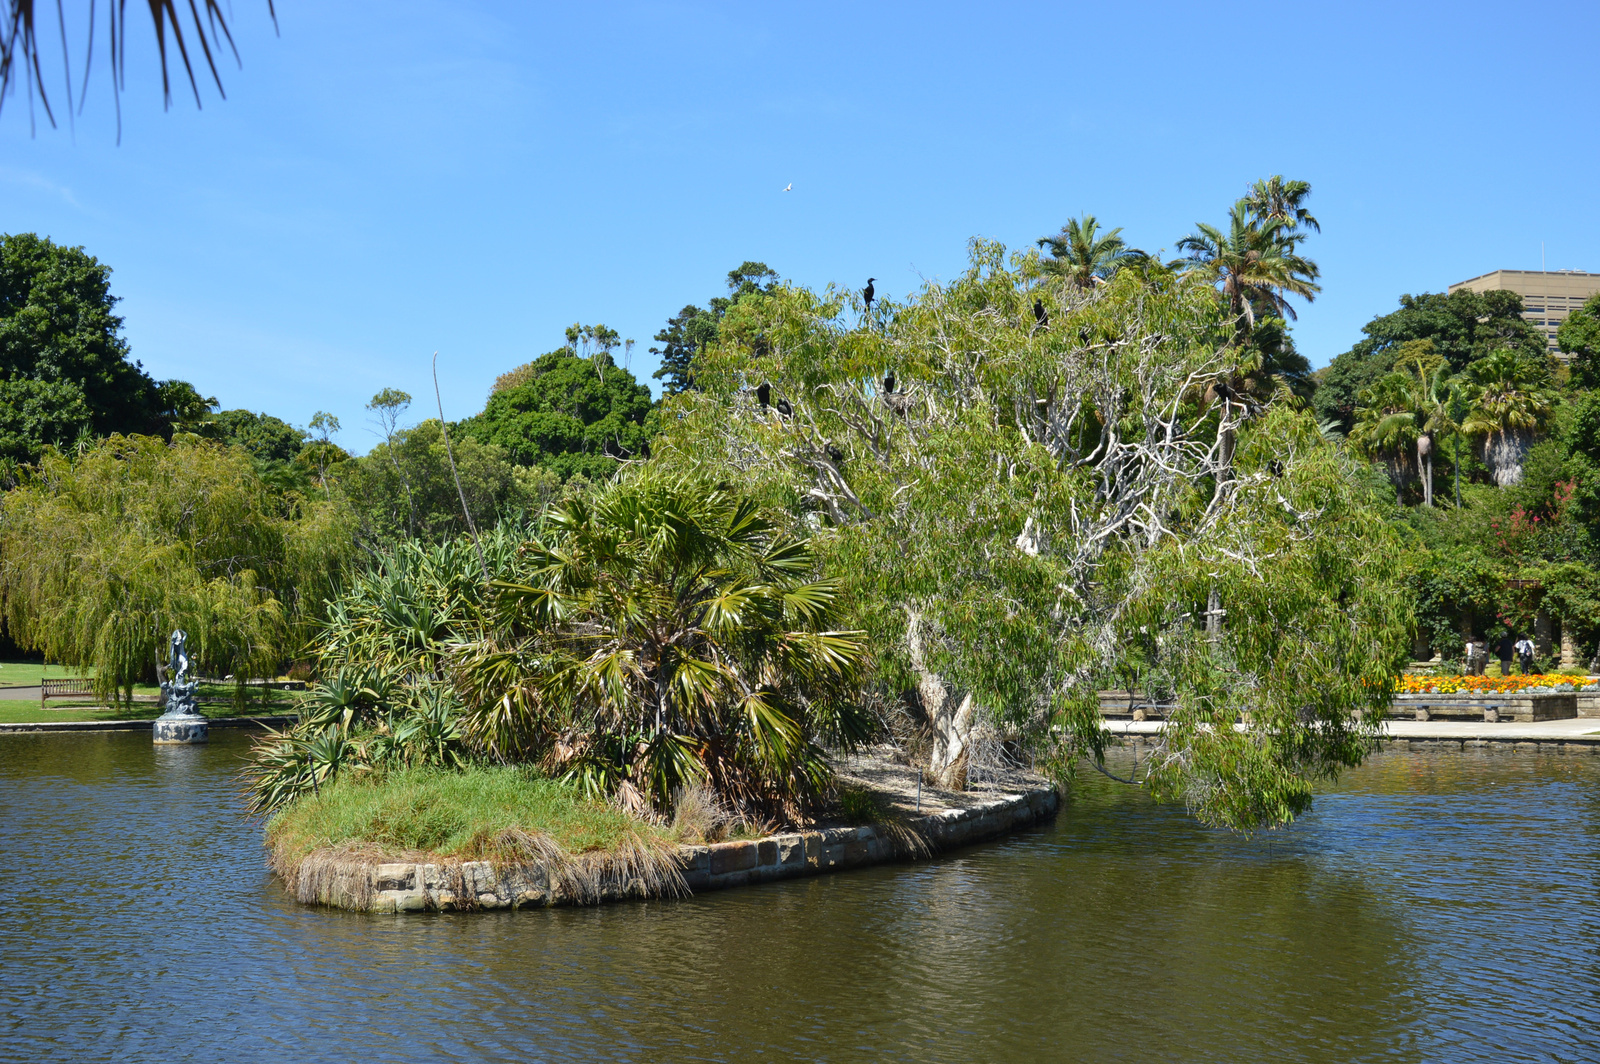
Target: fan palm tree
pixel 1084 255
pixel 1254 264
pixel 1276 200
pixel 1511 403
pixel 1389 425
pixel 667 634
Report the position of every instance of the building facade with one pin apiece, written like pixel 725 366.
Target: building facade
pixel 1547 296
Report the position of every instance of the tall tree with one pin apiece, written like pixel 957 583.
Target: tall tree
pixel 1084 255
pixel 1463 327
pixel 1031 510
pixel 693 328
pixel 1254 264
pixel 104 553
pixel 57 325
pixel 1275 200
pixel 1579 337
pixel 569 415
pixel 1512 402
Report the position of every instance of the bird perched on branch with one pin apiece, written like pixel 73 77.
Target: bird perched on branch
pixel 835 455
pixel 888 383
pixel 868 293
pixel 764 394
pixel 784 409
pixel 1039 314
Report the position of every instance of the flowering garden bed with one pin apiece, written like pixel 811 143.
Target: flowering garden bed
pixel 1485 685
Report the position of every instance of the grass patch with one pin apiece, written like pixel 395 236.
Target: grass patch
pixel 480 813
pixel 27 711
pixel 29 673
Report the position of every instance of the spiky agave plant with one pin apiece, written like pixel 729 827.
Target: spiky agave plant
pixel 667 634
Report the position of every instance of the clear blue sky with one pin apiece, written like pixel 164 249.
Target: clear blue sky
pixel 388 179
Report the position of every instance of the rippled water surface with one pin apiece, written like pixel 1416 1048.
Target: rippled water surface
pixel 1434 907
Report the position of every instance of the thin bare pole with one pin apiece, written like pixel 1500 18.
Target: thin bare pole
pixel 450 454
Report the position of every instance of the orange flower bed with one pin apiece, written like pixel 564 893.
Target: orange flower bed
pixel 1475 685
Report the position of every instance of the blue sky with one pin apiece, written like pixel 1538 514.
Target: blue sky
pixel 385 180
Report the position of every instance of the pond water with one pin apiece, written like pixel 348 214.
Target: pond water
pixel 1433 907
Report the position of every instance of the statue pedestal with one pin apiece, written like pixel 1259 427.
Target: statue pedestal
pixel 180 728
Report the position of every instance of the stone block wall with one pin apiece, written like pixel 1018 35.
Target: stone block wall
pixel 401 886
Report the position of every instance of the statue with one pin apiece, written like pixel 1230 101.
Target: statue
pixel 182 722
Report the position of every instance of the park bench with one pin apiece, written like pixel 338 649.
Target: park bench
pixel 77 687
pixel 1426 710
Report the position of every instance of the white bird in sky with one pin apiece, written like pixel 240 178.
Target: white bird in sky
pixel 789 187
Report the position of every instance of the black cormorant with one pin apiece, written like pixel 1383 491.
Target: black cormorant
pixel 784 408
pixel 1039 314
pixel 764 394
pixel 888 384
pixel 868 292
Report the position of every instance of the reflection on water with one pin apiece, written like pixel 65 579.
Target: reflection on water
pixel 1435 907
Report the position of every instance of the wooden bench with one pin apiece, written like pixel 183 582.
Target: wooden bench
pixel 77 687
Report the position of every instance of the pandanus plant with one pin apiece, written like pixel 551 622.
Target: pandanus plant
pixel 663 635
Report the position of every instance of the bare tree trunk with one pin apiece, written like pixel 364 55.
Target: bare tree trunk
pixel 1425 464
pixel 950 714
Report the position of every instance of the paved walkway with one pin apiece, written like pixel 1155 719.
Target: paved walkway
pixel 1580 731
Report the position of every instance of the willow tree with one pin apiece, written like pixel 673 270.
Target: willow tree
pixel 1023 513
pixel 105 552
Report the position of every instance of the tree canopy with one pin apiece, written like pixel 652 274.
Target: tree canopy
pixel 104 553
pixel 57 325
pixel 692 328
pixel 1023 513
pixel 569 415
pixel 1463 327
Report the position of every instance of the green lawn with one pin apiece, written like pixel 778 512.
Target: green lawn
pixel 28 673
pixel 28 711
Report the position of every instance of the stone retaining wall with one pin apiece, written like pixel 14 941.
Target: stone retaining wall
pixel 1514 706
pixel 394 887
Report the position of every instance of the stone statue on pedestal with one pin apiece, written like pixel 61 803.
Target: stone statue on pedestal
pixel 182 722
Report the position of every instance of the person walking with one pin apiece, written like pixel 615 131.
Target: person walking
pixel 1525 650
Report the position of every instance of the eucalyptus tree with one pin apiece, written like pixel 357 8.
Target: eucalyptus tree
pixel 1512 400
pixel 1026 512
pixel 1253 263
pixel 1084 255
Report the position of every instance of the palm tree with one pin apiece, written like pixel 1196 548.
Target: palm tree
pixel 1388 426
pixel 667 634
pixel 1255 265
pixel 1277 200
pixel 209 38
pixel 1086 256
pixel 1511 404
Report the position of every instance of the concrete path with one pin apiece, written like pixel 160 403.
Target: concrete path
pixel 1579 731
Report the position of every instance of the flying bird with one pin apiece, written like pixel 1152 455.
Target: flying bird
pixel 868 292
pixel 789 187
pixel 1039 314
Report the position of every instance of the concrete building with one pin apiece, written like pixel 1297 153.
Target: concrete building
pixel 1547 296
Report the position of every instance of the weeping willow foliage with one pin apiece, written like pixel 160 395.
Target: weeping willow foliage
pixel 106 551
pixel 1031 490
